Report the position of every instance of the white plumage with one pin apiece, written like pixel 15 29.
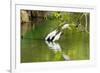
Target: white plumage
pixel 51 34
pixel 55 35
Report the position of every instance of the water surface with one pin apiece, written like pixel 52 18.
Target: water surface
pixel 74 47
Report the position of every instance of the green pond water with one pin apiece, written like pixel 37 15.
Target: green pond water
pixel 73 45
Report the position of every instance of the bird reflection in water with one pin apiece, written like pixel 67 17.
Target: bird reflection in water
pixel 57 48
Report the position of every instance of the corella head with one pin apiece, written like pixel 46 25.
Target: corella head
pixel 65 26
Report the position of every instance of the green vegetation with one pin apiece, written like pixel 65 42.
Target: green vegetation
pixel 74 43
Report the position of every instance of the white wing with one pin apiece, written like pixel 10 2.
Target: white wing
pixel 51 34
pixel 57 36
